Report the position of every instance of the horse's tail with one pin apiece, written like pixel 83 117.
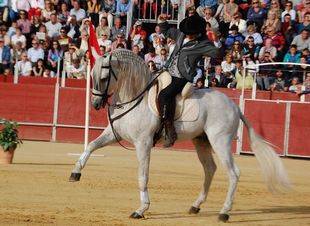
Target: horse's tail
pixel 272 167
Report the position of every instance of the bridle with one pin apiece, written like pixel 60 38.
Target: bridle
pixel 105 96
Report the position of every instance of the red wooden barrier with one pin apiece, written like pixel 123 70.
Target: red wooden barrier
pixel 299 142
pixel 268 120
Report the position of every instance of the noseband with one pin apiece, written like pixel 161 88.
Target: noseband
pixel 105 95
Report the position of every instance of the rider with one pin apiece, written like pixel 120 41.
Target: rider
pixel 191 46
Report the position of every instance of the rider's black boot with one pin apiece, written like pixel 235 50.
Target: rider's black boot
pixel 168 120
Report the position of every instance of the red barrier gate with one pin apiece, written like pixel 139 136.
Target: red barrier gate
pixel 268 120
pixel 299 142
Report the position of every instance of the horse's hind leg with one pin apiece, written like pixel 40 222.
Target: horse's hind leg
pixel 204 151
pixel 107 137
pixel 221 144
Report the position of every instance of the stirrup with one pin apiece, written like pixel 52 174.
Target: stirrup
pixel 170 135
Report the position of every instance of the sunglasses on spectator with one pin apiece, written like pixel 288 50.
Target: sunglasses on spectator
pixel 255 2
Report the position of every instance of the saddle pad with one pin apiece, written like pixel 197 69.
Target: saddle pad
pixel 187 110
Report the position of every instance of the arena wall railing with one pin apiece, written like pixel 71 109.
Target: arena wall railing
pixel 49 112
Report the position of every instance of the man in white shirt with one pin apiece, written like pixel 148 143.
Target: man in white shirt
pixel 53 27
pixel 78 12
pixel 302 41
pixel 35 52
pixel 23 67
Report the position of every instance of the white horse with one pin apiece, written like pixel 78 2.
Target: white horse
pixel 126 75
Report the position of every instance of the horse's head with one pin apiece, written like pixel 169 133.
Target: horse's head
pixel 103 81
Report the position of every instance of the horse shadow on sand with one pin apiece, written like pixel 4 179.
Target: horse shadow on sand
pixel 295 213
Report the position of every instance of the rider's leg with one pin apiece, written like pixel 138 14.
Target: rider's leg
pixel 167 108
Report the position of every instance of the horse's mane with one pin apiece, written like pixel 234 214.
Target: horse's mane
pixel 133 74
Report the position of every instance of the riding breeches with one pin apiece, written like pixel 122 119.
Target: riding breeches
pixel 167 97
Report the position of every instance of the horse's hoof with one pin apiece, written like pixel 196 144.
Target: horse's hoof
pixel 135 215
pixel 74 177
pixel 223 217
pixel 193 210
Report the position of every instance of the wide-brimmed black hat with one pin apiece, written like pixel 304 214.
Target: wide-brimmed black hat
pixel 194 24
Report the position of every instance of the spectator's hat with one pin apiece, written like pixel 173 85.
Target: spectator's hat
pixel 193 25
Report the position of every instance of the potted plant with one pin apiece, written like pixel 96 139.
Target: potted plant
pixel 8 141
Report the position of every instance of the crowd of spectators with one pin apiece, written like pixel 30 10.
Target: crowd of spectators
pixel 36 34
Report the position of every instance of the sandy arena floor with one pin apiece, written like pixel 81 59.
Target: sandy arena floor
pixel 35 190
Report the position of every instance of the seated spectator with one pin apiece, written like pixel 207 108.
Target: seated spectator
pixel 236 51
pixel 93 9
pixel 12 29
pixel 288 10
pixel 120 39
pixel 23 67
pixel 302 41
pixel 230 9
pixel 35 24
pixel 38 69
pixel 138 36
pixel 136 50
pixel 64 40
pixel 104 41
pixel 17 52
pixel 277 41
pixel 54 55
pixel 103 28
pixel 238 21
pixel 251 31
pixel 152 56
pixel 64 14
pixel 200 83
pixel 18 37
pixel 108 8
pixel 152 66
pixel 288 28
pixel 122 8
pixel 212 4
pixel 248 80
pixel 292 55
pixel 275 7
pixel 304 23
pixel 227 65
pixel 157 33
pixel 4 35
pixel 79 13
pixel 272 23
pixel 163 54
pixel 5 57
pixel 35 52
pixel 267 48
pixel 256 14
pixel 73 28
pixel 47 73
pixel 294 86
pixel 102 50
pixel 233 36
pixel 76 70
pixel 250 49
pixel 210 19
pixel 217 78
pixel 47 11
pixel 53 26
pixel 118 28
pixel 279 83
pixel 69 56
pixel 8 72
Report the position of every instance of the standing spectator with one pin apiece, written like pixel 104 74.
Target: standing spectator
pixel 35 52
pixel 54 55
pixel 118 28
pixel 79 13
pixel 122 8
pixel 302 41
pixel 5 56
pixel 108 8
pixel 289 10
pixel 103 28
pixel 23 67
pixel 24 24
pixel 53 26
pixel 157 33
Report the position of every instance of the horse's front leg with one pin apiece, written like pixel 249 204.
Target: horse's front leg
pixel 107 137
pixel 143 149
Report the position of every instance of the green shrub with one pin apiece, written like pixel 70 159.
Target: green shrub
pixel 9 135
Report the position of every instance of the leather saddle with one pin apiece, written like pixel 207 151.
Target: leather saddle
pixel 187 109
